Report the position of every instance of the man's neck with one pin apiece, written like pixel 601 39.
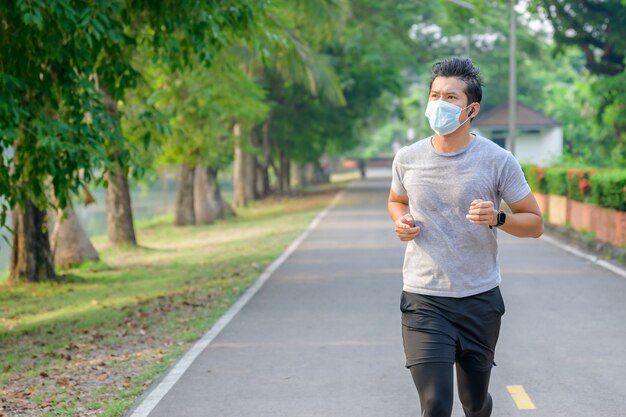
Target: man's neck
pixel 452 142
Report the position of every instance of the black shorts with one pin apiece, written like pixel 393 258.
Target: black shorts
pixel 449 330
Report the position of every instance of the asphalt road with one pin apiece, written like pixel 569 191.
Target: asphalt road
pixel 322 336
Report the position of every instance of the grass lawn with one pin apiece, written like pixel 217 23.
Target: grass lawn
pixel 89 344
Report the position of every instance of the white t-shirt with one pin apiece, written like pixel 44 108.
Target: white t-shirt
pixel 452 257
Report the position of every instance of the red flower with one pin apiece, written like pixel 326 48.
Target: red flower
pixel 584 186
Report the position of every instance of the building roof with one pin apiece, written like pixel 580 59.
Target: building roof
pixel 526 117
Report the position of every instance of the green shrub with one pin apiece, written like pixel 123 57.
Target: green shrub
pixel 605 189
pixel 579 184
pixel 608 189
pixel 535 178
pixel 530 179
pixel 556 180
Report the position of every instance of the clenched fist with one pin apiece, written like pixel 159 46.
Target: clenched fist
pixel 406 229
pixel 482 212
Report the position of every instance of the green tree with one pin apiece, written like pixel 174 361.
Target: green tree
pixel 181 35
pixel 290 59
pixel 52 114
pixel 369 54
pixel 598 29
pixel 198 105
pixel 63 68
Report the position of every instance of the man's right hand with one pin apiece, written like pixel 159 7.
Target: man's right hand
pixel 406 229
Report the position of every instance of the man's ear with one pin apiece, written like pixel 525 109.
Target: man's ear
pixel 472 110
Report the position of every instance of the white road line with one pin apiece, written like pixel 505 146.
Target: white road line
pixel 156 395
pixel 574 251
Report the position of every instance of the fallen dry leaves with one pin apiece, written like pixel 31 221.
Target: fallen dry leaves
pixel 95 365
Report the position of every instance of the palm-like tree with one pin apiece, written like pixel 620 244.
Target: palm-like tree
pixel 285 50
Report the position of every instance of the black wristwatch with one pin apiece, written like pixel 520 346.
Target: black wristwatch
pixel 501 219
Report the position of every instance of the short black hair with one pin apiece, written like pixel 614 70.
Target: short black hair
pixel 463 69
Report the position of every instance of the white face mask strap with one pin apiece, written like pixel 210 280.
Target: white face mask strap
pixel 468 118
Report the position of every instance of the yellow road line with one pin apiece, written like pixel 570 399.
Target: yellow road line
pixel 522 400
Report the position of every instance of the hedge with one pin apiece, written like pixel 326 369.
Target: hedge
pixel 608 189
pixel 579 184
pixel 603 188
pixel 556 180
pixel 535 178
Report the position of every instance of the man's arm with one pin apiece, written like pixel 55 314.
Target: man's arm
pixel 398 206
pixel 526 220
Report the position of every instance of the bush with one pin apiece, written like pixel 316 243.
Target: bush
pixel 608 189
pixel 556 180
pixel 535 178
pixel 605 189
pixel 579 184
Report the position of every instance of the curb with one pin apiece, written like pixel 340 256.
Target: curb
pixel 592 258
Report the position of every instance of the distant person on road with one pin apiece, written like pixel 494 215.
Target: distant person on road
pixel 445 202
pixel 362 166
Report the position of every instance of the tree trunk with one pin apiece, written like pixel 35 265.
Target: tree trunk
pixel 70 244
pixel 267 156
pixel 217 203
pixel 31 256
pixel 185 215
pixel 259 186
pixel 253 181
pixel 306 174
pixel 250 177
pixel 285 177
pixel 121 230
pixel 310 173
pixel 204 212
pixel 214 196
pixel 239 171
pixel 301 170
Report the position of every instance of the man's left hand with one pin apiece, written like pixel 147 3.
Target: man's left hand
pixel 482 212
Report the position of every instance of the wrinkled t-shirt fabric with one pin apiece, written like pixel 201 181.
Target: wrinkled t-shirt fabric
pixel 452 257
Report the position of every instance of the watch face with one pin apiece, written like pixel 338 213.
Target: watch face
pixel 501 218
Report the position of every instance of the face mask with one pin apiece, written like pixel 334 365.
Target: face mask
pixel 444 117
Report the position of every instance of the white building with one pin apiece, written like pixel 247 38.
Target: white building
pixel 538 139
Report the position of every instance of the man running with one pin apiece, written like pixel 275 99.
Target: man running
pixel 445 202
